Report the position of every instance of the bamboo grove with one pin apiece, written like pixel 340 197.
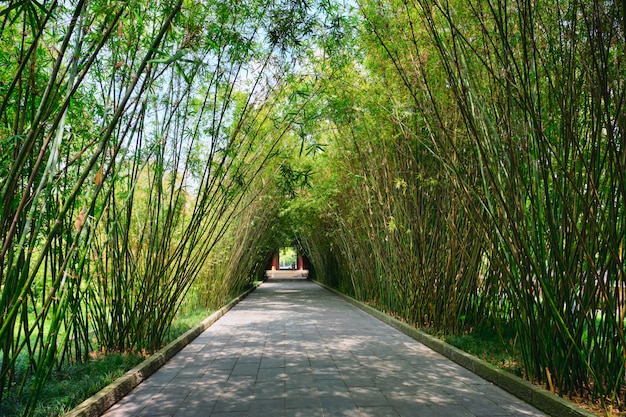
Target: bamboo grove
pixel 478 171
pixel 132 139
pixel 458 164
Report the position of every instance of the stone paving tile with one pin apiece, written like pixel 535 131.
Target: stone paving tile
pixel 299 398
pixel 292 349
pixel 368 397
pixel 337 403
pixel 269 390
pixel 306 412
pixel 267 407
pixel 386 411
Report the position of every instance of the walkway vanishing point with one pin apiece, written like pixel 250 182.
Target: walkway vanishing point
pixel 292 348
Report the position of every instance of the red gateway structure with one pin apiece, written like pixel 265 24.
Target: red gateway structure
pixel 302 262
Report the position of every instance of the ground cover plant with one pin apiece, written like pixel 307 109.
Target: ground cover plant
pixel 71 383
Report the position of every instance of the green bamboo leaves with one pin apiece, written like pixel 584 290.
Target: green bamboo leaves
pixel 130 135
pixel 458 163
pixel 504 122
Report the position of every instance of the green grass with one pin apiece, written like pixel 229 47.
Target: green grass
pixel 74 383
pixel 490 347
pixel 185 322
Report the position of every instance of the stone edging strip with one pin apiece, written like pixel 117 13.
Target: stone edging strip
pixel 97 404
pixel 532 394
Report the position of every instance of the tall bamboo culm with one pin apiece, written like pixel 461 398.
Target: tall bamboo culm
pixel 480 162
pixel 130 135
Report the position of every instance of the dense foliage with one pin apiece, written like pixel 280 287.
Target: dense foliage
pixel 132 138
pixel 478 171
pixel 459 164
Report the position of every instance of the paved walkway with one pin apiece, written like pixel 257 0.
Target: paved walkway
pixel 294 349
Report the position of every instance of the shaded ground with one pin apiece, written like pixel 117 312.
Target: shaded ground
pixel 294 349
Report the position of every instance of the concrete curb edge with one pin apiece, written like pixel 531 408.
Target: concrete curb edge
pixel 98 403
pixel 532 394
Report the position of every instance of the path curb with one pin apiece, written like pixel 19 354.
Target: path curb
pixel 97 404
pixel 536 396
